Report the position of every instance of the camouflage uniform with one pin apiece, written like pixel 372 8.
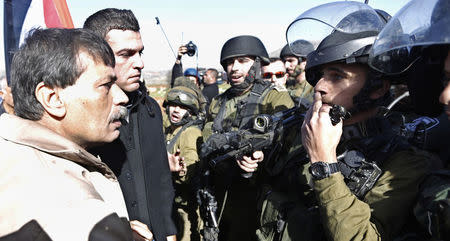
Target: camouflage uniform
pixel 185 201
pixel 238 219
pixel 185 136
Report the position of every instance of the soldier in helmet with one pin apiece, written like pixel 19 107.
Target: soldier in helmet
pixel 297 86
pixel 420 50
pixel 359 169
pixel 183 136
pixel 242 58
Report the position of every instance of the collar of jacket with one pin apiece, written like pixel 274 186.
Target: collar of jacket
pixel 135 97
pixel 139 96
pixel 17 130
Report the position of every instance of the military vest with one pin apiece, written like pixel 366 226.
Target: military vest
pixel 246 108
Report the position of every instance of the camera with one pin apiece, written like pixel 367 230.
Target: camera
pixel 191 48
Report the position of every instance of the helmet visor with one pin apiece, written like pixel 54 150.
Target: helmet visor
pixel 419 23
pixel 319 22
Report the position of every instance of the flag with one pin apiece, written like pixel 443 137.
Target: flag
pixel 20 16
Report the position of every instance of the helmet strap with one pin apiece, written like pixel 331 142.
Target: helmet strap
pixel 362 100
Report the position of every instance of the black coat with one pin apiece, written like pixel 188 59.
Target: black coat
pixel 177 71
pixel 210 91
pixel 139 159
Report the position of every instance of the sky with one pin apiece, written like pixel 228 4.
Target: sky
pixel 207 23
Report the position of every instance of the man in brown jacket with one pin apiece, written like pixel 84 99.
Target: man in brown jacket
pixel 66 100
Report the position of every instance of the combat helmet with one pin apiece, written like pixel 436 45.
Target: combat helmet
pixel 244 45
pixel 345 36
pixel 301 48
pixel 186 97
pixel 417 50
pixel 240 46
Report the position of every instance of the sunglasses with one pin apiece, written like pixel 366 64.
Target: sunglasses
pixel 268 75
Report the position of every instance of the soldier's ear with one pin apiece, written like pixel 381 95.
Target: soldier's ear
pixel 380 92
pixel 50 99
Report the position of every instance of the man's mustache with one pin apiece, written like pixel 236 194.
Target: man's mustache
pixel 120 114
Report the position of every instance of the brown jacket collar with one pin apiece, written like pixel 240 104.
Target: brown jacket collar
pixel 32 134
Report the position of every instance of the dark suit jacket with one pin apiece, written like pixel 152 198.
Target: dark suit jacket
pixel 139 159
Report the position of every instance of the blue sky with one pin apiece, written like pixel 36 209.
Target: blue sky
pixel 207 23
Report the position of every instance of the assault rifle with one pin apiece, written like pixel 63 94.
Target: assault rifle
pixel 264 135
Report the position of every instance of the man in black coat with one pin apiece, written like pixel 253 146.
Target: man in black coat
pixel 210 87
pixel 138 157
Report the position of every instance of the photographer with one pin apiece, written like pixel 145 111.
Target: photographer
pixel 177 70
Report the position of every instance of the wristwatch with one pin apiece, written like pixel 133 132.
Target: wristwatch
pixel 321 170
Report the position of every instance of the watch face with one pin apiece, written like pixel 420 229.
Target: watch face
pixel 319 170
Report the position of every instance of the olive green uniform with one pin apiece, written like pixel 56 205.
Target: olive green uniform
pixel 238 219
pixel 301 90
pixel 188 220
pixel 333 212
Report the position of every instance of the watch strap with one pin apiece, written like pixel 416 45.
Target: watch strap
pixel 334 167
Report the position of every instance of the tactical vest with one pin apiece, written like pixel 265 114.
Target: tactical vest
pixel 245 109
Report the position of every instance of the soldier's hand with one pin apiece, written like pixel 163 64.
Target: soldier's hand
pixel 141 231
pixel 250 163
pixel 176 162
pixel 319 137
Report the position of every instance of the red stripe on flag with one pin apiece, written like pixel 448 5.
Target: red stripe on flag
pixel 63 13
pixel 57 14
pixel 50 15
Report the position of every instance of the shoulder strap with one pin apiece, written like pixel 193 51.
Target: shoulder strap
pixel 172 142
pixel 217 124
pixel 252 104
